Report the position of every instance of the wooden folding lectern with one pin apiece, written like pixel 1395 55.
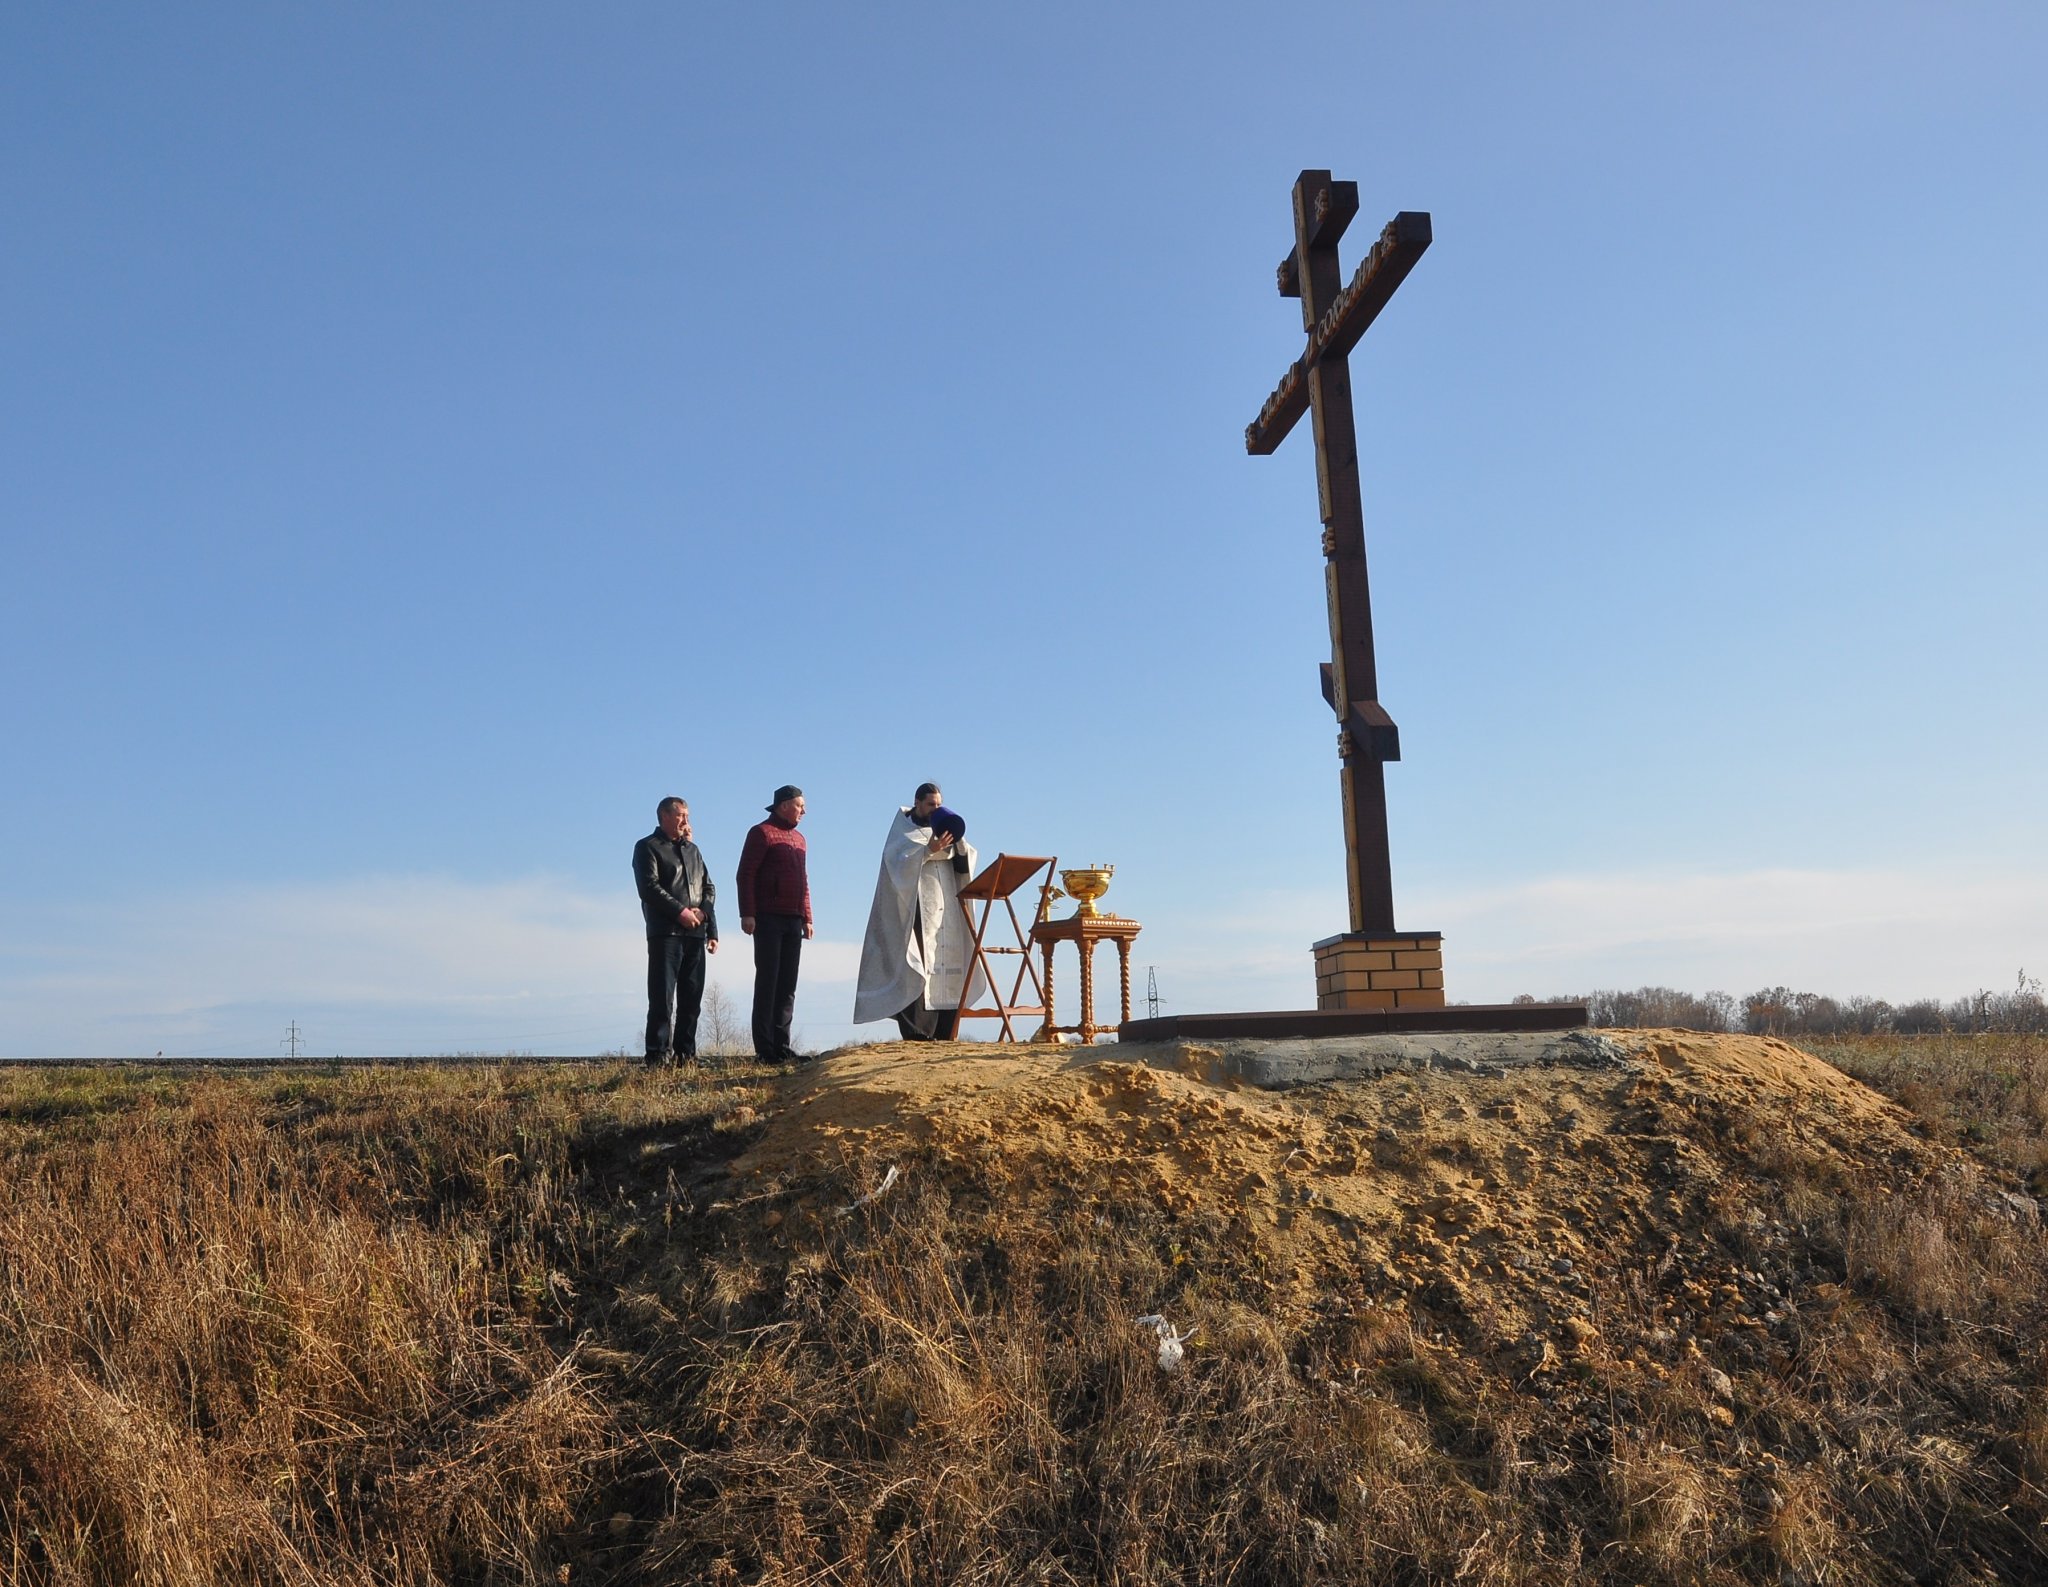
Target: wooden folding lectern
pixel 995 885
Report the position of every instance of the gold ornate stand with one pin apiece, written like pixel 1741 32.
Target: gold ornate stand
pixel 1084 932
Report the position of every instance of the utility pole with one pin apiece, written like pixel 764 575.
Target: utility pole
pixel 291 1041
pixel 1151 991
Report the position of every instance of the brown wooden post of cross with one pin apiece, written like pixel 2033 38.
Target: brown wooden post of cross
pixel 1335 314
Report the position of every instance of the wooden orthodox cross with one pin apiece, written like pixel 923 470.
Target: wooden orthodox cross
pixel 1335 316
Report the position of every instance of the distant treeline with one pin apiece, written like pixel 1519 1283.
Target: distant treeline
pixel 1780 1011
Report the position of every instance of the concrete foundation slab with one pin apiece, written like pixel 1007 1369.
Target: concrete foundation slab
pixel 1283 1064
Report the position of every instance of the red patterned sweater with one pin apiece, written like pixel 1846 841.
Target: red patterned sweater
pixel 772 879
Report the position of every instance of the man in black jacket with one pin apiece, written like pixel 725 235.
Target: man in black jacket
pixel 676 897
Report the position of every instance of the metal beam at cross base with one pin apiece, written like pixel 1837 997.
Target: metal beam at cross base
pixel 1335 314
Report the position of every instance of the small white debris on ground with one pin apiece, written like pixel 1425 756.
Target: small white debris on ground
pixel 1171 1351
pixel 888 1179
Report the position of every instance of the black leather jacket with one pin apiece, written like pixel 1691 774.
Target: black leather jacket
pixel 671 878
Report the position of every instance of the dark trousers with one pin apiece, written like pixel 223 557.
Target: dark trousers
pixel 778 947
pixel 675 992
pixel 920 1023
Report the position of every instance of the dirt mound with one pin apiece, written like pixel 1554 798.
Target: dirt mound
pixel 1492 1192
pixel 1663 1307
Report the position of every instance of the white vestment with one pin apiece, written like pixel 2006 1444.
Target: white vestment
pixel 918 937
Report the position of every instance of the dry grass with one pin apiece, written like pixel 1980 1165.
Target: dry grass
pixel 292 1328
pixel 1988 1090
pixel 420 1325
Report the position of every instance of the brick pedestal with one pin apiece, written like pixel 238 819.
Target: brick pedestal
pixel 1396 969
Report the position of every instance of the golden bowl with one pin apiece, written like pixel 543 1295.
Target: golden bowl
pixel 1086 885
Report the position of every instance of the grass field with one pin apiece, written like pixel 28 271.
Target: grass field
pixel 467 1324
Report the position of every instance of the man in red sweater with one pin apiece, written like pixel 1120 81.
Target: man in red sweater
pixel 775 910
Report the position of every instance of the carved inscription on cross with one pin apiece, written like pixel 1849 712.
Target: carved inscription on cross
pixel 1335 315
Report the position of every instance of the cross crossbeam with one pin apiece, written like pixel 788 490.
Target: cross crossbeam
pixel 1343 325
pixel 1335 315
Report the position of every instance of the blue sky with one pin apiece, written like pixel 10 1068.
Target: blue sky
pixel 430 435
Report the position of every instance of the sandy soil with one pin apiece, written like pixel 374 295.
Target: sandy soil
pixel 1496 1195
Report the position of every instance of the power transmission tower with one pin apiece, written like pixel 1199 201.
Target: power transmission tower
pixel 1152 999
pixel 291 1041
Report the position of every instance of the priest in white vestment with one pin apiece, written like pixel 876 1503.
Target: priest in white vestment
pixel 914 963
